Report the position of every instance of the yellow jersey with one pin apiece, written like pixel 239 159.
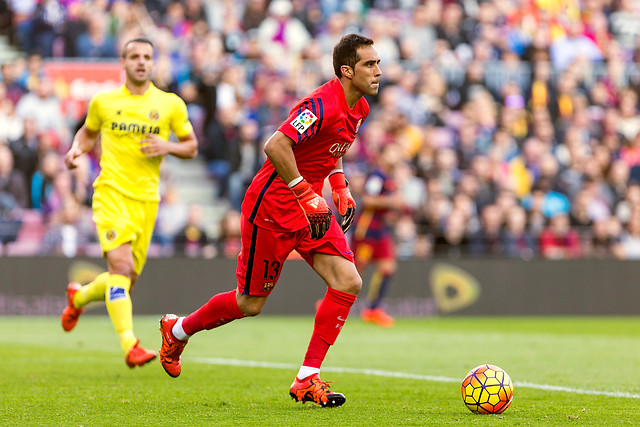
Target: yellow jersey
pixel 123 120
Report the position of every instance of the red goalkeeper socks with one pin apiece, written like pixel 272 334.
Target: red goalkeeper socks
pixel 330 318
pixel 219 310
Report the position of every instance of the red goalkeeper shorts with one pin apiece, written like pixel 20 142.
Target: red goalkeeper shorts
pixel 264 252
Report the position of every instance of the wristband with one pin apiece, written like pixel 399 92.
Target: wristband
pixel 295 181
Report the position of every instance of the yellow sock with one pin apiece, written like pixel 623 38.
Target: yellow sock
pixel 93 291
pixel 120 310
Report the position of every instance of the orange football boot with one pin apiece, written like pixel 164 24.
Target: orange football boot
pixel 139 356
pixel 313 389
pixel 377 316
pixel 171 346
pixel 70 314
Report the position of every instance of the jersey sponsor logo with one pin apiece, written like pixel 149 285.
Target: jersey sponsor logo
pixel 303 121
pixel 154 115
pixel 116 293
pixel 134 128
pixel 339 149
pixel 268 286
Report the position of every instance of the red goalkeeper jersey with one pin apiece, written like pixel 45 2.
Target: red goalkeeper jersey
pixel 323 127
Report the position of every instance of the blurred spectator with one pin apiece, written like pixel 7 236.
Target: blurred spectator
pixel 192 240
pixel 618 179
pixel 418 36
pixel 450 26
pixel 453 241
pixel 407 238
pixel 11 81
pixel 518 242
pixel 45 108
pixel 229 238
pixel 6 27
pixel 175 19
pixel 10 222
pixel 194 11
pixel 62 189
pixel 628 123
pixel 575 46
pixel 245 161
pixel 603 239
pixel 172 216
pixel 67 234
pixel 222 137
pixel 11 126
pixel 25 151
pixel 74 26
pixel 625 24
pixel 12 182
pixel 96 42
pixel 45 24
pixel 272 106
pixel 549 201
pixel 280 34
pixel 33 71
pixel 335 28
pixel 310 14
pixel 629 245
pixel 43 178
pixel 254 13
pixel 558 240
pixel 487 240
pixel 381 28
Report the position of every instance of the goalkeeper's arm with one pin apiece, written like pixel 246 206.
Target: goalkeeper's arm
pixel 279 150
pixel 342 198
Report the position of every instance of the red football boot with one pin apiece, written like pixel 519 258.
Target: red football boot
pixel 70 314
pixel 171 346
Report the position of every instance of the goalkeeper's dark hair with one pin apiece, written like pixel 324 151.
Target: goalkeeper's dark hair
pixel 136 40
pixel 345 51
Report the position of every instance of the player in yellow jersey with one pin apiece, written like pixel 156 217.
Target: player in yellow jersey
pixel 134 122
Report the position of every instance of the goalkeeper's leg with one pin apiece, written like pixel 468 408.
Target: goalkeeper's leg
pixel 344 284
pixel 176 331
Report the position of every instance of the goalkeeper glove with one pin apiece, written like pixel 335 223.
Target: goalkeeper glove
pixel 342 199
pixel 314 207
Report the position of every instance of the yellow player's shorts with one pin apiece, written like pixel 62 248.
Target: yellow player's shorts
pixel 120 219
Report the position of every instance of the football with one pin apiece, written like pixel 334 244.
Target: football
pixel 487 389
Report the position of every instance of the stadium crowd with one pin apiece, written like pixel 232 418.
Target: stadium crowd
pixel 517 119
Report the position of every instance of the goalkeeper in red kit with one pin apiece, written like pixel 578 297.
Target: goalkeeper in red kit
pixel 283 210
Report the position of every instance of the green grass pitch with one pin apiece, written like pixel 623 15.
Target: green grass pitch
pixel 566 370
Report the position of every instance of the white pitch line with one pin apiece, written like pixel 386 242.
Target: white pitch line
pixel 392 374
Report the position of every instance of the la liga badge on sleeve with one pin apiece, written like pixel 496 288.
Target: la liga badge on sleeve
pixel 303 121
